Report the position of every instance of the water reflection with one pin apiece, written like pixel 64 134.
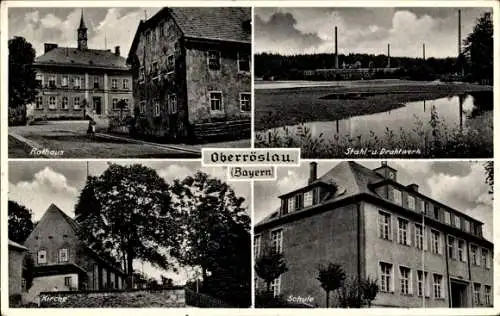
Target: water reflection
pixel 455 111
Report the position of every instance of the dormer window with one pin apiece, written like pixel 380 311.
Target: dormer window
pixel 391 175
pixel 291 204
pixel 397 196
pixel 308 198
pixel 411 202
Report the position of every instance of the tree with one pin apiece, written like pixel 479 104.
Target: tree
pixel 478 49
pixel 215 236
pixel 20 222
pixel 269 267
pixel 356 292
pixel 489 170
pixel 22 83
pixel 331 277
pixel 369 290
pixel 135 220
pixel 166 282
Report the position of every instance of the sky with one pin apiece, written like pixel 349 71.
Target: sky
pixel 458 184
pixel 37 184
pixel 110 26
pixel 362 30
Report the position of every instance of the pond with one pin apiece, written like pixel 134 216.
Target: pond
pixel 458 111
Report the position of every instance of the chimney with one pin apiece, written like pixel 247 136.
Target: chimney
pixel 388 55
pixel 49 46
pixel 413 187
pixel 423 50
pixel 117 50
pixel 313 172
pixel 336 51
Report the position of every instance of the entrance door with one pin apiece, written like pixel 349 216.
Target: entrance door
pixel 97 105
pixel 458 294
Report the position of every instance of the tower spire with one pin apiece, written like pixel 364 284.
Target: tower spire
pixel 82 34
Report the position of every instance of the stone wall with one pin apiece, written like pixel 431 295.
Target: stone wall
pixel 174 297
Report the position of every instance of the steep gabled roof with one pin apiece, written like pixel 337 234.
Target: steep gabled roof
pixel 348 177
pixel 89 58
pixel 54 210
pixel 230 24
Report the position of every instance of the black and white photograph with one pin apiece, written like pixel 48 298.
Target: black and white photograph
pixel 361 82
pixel 128 82
pixel 359 234
pixel 127 234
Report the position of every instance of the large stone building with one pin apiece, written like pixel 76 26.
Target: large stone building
pixel 420 250
pixel 192 73
pixel 77 81
pixel 63 262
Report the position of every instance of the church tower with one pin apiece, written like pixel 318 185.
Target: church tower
pixel 82 34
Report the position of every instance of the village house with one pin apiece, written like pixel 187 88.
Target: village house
pixel 192 73
pixel 421 251
pixel 63 262
pixel 74 82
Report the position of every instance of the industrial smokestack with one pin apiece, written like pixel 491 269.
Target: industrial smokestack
pixel 459 32
pixel 336 51
pixel 388 55
pixel 423 50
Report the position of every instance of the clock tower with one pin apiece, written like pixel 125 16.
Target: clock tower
pixel 82 34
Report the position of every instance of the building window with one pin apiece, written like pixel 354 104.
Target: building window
pixel 385 277
pixel 275 286
pixel 277 240
pixel 485 258
pixel 457 221
pixel 42 256
pixel 405 280
pixel 96 82
pixel 436 212
pixel 216 101
pixel 256 245
pixel 114 103
pixel 243 62
pixel 64 81
pixel 308 198
pixel 435 242
pixel 447 219
pixel 245 102
pixel 76 82
pixel 64 104
pixel 474 255
pixel 397 197
pixel 451 247
pixel 487 295
pixel 477 294
pixel 422 284
pixel 411 202
pixel 63 255
pixel 291 204
pixel 52 81
pixel 156 108
pixel 172 104
pixel 76 103
pixel 298 201
pixel 67 281
pixel 213 60
pixel 52 102
pixel 419 237
pixel 39 102
pixel 125 84
pixel 170 63
pixel 384 225
pixel 403 232
pixel 114 83
pixel 438 286
pixel 39 80
pixel 466 225
pixel 461 251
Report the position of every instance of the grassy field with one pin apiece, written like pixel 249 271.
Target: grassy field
pixel 291 106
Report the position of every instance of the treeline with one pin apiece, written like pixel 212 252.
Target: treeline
pixel 286 67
